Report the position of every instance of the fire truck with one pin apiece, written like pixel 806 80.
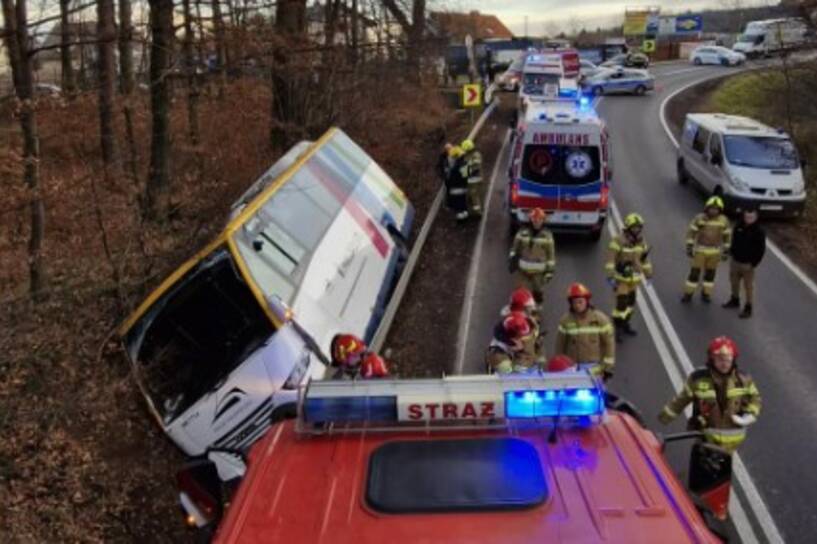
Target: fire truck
pixel 560 158
pixel 544 457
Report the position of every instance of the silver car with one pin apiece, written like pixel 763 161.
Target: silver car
pixel 619 80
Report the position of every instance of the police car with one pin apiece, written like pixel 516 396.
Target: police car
pixel 619 80
pixel 533 458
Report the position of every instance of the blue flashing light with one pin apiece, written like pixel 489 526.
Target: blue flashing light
pixel 584 102
pixel 552 403
pixel 346 409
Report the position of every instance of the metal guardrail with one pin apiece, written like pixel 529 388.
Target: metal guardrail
pixel 402 285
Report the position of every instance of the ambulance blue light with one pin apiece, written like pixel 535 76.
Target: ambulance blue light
pixel 569 402
pixel 363 408
pixel 584 102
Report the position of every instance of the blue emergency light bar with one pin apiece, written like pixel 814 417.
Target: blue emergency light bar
pixel 459 398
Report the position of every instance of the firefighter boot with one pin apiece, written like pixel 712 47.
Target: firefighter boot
pixel 705 297
pixel 733 302
pixel 686 298
pixel 627 328
pixel 618 324
pixel 747 312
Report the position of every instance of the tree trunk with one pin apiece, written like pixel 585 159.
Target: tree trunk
pixel 416 35
pixel 218 30
pixel 126 80
pixel 191 67
pixel 161 27
pixel 355 35
pixel 69 84
pixel 290 21
pixel 106 36
pixel 17 43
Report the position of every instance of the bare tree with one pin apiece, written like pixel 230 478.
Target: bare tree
pixel 126 79
pixel 69 84
pixel 17 42
pixel 161 27
pixel 191 67
pixel 106 37
pixel 290 22
pixel 414 29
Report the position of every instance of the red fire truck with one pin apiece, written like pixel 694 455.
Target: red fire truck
pixel 540 458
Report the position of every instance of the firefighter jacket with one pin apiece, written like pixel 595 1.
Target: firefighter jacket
pixel 503 358
pixel 473 167
pixel 709 236
pixel 715 399
pixel 628 259
pixel 535 250
pixel 587 338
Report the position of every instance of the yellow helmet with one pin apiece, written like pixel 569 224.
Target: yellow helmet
pixel 714 201
pixel 456 152
pixel 467 145
pixel 633 220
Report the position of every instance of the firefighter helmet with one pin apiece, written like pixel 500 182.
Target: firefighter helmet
pixel 467 145
pixel 373 366
pixel 723 345
pixel 516 325
pixel 347 349
pixel 714 202
pixel 537 214
pixel 633 220
pixel 560 363
pixel 578 290
pixel 522 300
pixel 455 152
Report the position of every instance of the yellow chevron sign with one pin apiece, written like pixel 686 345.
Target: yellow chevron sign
pixel 472 95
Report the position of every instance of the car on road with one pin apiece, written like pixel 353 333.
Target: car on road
pixel 716 54
pixel 587 69
pixel 744 161
pixel 628 60
pixel 524 458
pixel 619 80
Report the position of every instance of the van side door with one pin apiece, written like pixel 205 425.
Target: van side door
pixel 715 173
pixel 695 152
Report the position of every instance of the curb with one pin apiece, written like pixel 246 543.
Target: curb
pixel 402 284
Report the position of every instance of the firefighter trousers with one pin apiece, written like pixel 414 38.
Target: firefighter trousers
pixel 533 281
pixel 703 266
pixel 475 197
pixel 625 301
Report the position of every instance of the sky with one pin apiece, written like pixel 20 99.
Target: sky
pixel 547 17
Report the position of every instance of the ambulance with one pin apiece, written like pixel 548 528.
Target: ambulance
pixel 561 162
pixel 312 249
pixel 546 73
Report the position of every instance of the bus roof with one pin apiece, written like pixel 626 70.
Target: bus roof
pixel 603 483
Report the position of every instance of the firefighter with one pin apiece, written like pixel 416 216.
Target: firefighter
pixel 707 243
pixel 457 184
pixel 627 266
pixel 561 363
pixel 725 400
pixel 444 162
pixel 352 358
pixel 585 334
pixel 533 255
pixel 509 350
pixel 522 301
pixel 473 165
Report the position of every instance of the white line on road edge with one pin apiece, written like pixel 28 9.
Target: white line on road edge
pixel 473 269
pixel 744 480
pixel 774 248
pixel 402 284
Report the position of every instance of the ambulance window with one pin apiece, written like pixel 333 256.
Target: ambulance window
pixel 700 140
pixel 455 476
pixel 561 165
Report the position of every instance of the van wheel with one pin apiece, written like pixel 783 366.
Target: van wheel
pixel 595 235
pixel 640 90
pixel 697 61
pixel 683 177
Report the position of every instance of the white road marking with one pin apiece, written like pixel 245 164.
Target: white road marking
pixel 473 269
pixel 744 480
pixel 774 248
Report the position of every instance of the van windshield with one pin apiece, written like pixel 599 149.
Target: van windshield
pixel 198 332
pixel 761 152
pixel 751 38
pixel 561 165
pixel 534 84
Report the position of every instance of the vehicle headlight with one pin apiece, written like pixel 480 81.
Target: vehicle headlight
pixel 739 184
pixel 297 375
pixel 799 187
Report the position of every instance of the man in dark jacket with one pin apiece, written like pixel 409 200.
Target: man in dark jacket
pixel 747 249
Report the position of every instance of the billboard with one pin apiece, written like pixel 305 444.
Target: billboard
pixel 640 21
pixel 688 24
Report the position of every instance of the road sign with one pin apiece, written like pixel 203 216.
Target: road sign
pixel 472 95
pixel 648 46
pixel 685 24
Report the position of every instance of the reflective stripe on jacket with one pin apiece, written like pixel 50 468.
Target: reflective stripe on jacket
pixel 627 260
pixel 535 249
pixel 709 235
pixel 587 338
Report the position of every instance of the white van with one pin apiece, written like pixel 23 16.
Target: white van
pixel 745 161
pixel 762 38
pixel 213 348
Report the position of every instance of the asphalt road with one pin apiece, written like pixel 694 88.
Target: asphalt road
pixel 778 487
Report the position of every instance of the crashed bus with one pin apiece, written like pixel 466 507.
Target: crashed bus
pixel 321 235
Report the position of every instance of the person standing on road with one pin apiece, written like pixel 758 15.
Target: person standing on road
pixel 585 334
pixel 747 249
pixel 533 255
pixel 707 243
pixel 506 352
pixel 457 184
pixel 725 400
pixel 521 301
pixel 627 266
pixel 473 174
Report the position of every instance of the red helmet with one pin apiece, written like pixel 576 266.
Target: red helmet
pixel 347 349
pixel 537 214
pixel 516 325
pixel 373 366
pixel 578 290
pixel 521 300
pixel 560 363
pixel 724 345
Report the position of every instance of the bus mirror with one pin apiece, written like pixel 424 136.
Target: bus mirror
pixel 279 308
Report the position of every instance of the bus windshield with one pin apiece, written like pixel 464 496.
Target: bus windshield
pixel 196 334
pixel 761 152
